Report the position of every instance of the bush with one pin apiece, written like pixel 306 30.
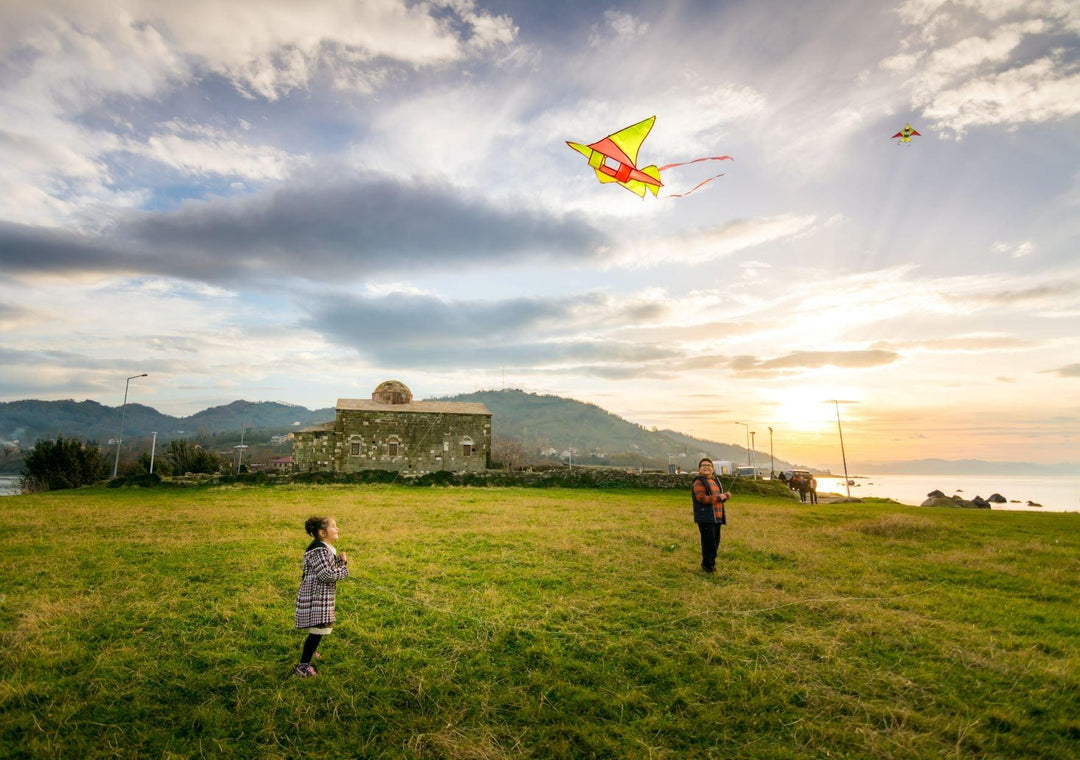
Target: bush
pixel 63 463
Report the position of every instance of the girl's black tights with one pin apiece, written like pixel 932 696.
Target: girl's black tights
pixel 311 643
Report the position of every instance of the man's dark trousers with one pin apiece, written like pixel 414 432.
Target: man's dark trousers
pixel 710 542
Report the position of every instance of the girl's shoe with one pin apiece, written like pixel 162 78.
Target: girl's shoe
pixel 304 670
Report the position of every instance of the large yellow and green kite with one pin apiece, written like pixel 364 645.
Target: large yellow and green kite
pixel 615 160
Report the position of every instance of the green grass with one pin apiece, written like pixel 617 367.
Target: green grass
pixel 504 623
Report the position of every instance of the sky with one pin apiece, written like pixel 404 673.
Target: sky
pixel 276 200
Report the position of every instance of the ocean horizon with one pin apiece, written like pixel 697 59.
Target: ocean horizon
pixel 1055 493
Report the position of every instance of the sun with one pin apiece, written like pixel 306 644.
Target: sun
pixel 805 410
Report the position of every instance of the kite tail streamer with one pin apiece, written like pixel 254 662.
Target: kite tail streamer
pixel 695 187
pixel 700 184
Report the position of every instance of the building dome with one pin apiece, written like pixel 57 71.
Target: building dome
pixel 392 392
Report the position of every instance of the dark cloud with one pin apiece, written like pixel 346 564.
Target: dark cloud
pixel 1069 370
pixel 70 360
pixel 330 231
pixel 408 330
pixel 1052 291
pixel 814 360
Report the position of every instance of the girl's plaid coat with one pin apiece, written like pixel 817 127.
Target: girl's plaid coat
pixel 315 600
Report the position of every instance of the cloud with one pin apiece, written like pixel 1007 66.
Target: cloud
pixel 76 75
pixel 709 244
pixel 417 330
pixel 976 344
pixel 861 359
pixel 195 149
pixel 317 229
pixel 1069 370
pixel 618 29
pixel 1052 292
pixel 1012 70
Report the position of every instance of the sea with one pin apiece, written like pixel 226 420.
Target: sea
pixel 1056 493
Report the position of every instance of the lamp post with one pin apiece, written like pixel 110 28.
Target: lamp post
pixel 847 483
pixel 153 448
pixel 753 452
pixel 772 462
pixel 241 447
pixel 747 426
pixel 123 409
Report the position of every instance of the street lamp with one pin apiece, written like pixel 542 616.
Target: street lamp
pixel 837 402
pixel 116 464
pixel 241 447
pixel 747 426
pixel 153 448
pixel 753 452
pixel 772 463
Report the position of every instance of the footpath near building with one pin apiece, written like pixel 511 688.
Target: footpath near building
pixel 390 431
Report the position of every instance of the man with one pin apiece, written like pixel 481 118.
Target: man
pixel 709 498
pixel 813 490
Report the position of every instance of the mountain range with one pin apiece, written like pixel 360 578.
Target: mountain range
pixel 538 422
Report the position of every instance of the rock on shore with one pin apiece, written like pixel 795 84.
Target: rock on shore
pixel 938 499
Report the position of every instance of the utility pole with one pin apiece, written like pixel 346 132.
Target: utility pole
pixel 847 483
pixel 123 409
pixel 772 462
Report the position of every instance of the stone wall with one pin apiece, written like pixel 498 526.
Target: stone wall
pixel 410 442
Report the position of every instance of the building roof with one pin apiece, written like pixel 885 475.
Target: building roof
pixel 318 428
pixel 419 407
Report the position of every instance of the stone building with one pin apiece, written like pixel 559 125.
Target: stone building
pixel 392 432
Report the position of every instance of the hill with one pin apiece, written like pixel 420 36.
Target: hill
pixel 28 421
pixel 538 421
pixel 541 422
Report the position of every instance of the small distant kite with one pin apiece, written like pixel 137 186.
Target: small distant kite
pixel 615 160
pixel 905 135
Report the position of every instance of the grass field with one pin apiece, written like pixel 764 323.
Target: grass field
pixel 505 623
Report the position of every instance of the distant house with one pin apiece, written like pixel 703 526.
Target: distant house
pixel 390 431
pixel 281 464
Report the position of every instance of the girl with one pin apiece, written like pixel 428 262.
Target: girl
pixel 323 568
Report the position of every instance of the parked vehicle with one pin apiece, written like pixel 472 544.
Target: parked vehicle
pixel 746 472
pixel 797 478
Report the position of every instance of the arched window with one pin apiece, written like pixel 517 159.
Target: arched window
pixel 393 444
pixel 467 446
pixel 355 444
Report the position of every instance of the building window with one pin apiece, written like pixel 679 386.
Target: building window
pixel 467 447
pixel 354 449
pixel 392 447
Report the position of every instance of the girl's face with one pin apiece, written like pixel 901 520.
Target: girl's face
pixel 330 533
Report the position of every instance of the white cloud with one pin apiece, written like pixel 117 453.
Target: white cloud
pixel 202 150
pixel 1041 91
pixel 713 243
pixel 1007 69
pixel 65 58
pixel 618 28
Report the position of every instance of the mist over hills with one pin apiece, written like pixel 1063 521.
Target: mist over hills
pixel 539 422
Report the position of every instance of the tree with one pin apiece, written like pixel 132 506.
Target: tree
pixel 507 451
pixel 184 457
pixel 63 463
